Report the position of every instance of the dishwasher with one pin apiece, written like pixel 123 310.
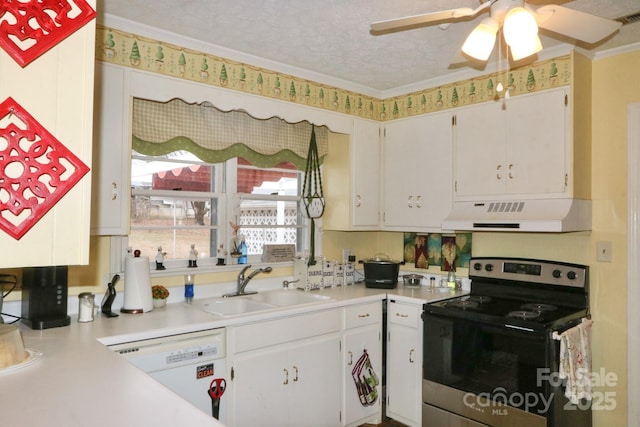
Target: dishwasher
pixel 192 365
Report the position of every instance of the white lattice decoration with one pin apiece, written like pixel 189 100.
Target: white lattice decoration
pixel 256 237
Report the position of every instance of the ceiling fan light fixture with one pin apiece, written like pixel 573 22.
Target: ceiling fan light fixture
pixel 526 48
pixel 479 44
pixel 521 33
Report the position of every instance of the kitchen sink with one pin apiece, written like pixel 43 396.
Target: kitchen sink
pixel 232 306
pixel 269 300
pixel 289 298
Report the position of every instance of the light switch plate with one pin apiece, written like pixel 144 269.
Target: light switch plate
pixel 604 252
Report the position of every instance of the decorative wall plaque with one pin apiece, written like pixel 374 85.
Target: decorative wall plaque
pixel 30 28
pixel 36 170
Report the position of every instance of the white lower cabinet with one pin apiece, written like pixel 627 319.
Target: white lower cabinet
pixel 362 332
pixel 404 362
pixel 286 372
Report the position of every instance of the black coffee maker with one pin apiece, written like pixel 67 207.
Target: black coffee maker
pixel 44 297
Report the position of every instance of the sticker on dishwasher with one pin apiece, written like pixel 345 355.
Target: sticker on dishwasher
pixel 204 371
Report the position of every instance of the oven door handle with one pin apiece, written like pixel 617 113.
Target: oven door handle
pixel 519 328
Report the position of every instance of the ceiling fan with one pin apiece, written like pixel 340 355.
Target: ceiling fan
pixel 519 23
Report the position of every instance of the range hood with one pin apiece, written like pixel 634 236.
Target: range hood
pixel 538 215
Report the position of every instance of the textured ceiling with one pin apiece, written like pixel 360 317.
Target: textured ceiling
pixel 331 37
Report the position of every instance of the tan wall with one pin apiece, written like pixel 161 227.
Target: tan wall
pixel 614 89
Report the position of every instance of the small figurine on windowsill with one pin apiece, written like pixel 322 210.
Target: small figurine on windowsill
pixel 193 256
pixel 160 259
pixel 222 255
pixel 238 245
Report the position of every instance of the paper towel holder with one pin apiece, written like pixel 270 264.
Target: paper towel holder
pixel 137 285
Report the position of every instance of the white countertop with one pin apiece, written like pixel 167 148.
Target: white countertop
pixel 80 382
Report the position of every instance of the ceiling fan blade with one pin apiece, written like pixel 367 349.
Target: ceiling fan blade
pixel 575 24
pixel 408 22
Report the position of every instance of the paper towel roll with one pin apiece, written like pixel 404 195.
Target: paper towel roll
pixel 137 285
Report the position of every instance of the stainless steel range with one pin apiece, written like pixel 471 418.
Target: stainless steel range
pixel 490 357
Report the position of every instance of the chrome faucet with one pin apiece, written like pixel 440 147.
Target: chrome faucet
pixel 243 282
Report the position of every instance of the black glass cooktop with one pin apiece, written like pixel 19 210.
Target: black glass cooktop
pixel 526 314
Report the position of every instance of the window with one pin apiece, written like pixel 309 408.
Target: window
pixel 178 200
pixel 222 168
pixel 268 205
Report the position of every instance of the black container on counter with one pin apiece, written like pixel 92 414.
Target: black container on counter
pixel 381 272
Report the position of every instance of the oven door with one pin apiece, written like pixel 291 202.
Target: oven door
pixel 495 362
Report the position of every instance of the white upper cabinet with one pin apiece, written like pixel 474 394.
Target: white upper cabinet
pixel 365 174
pixel 417 157
pixel 110 202
pixel 520 146
pixel 56 90
pixel 351 173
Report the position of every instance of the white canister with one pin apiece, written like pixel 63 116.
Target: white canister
pixel 86 304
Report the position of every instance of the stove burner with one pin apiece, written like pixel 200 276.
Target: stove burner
pixel 539 307
pixel 464 304
pixel 482 299
pixel 523 314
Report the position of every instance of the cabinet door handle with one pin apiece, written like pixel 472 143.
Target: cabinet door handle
pixel 402 315
pixel 498 171
pixel 410 202
pixel 411 355
pixel 363 315
pixel 286 377
pixel 358 201
pixel 510 168
pixel 418 202
pixel 114 191
pixel 295 368
pixel 350 358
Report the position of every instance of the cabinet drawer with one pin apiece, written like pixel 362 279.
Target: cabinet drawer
pixel 404 314
pixel 363 314
pixel 278 331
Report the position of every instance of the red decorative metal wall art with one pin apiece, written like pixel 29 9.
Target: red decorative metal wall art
pixel 36 170
pixel 29 28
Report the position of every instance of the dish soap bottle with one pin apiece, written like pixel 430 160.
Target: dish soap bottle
pixel 451 278
pixel 243 251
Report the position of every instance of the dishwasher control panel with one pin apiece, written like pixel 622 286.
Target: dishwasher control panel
pixel 201 351
pixel 172 351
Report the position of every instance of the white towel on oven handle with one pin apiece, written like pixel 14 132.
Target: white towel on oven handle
pixel 575 360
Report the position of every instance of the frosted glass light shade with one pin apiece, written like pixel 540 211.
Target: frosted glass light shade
pixel 526 48
pixel 479 44
pixel 521 33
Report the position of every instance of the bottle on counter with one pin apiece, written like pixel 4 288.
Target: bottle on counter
pixel 86 304
pixel 188 287
pixel 451 278
pixel 243 252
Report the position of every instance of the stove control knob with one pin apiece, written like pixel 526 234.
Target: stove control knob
pixel 557 274
pixel 488 267
pixel 571 275
pixel 477 266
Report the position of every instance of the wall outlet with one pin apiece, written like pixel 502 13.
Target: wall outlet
pixel 346 253
pixel 604 252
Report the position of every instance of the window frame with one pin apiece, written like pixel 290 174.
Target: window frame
pixel 228 199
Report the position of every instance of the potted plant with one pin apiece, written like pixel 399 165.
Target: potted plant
pixel 159 294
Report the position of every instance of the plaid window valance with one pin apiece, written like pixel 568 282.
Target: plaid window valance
pixel 215 136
